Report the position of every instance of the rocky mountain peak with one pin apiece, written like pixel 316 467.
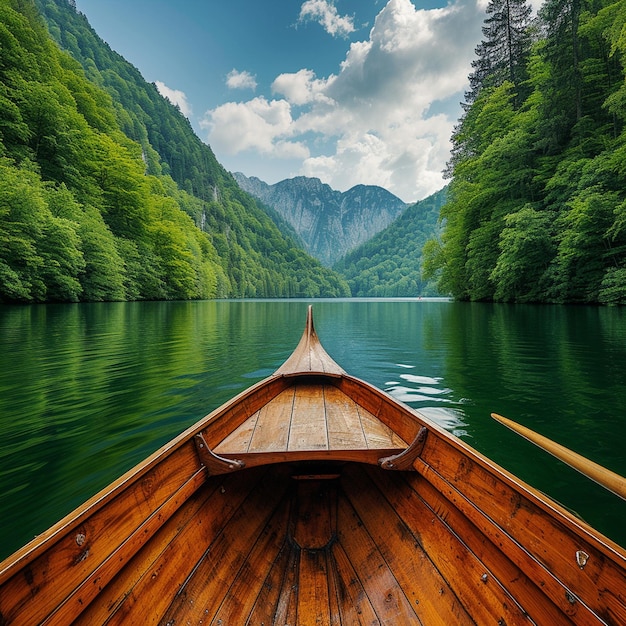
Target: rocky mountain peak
pixel 329 222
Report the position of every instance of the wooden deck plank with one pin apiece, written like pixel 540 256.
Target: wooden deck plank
pixel 266 605
pixel 310 417
pixel 287 607
pixel 472 581
pixel 379 404
pixel 313 595
pixel 389 602
pixel 354 606
pixel 265 431
pixel 418 580
pixel 272 428
pixel 333 590
pixel 169 571
pixel 308 422
pixel 203 592
pixel 314 517
pixel 235 412
pixel 248 583
pixel 239 440
pixel 345 430
pixel 378 434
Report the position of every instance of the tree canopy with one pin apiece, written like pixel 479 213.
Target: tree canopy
pixel 105 191
pixel 390 264
pixel 536 206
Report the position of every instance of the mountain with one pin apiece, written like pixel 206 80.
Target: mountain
pixel 329 222
pixel 106 193
pixel 390 264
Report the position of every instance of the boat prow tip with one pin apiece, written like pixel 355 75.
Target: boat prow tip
pixel 309 357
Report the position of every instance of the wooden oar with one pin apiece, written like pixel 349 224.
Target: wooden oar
pixel 608 479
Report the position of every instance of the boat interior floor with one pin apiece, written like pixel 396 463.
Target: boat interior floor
pixel 310 543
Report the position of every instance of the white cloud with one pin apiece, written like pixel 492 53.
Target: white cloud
pixel 260 125
pixel 302 87
pixel 326 14
pixel 376 118
pixel 176 97
pixel 240 80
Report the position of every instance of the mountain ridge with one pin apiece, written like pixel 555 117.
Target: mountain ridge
pixel 329 222
pixel 389 265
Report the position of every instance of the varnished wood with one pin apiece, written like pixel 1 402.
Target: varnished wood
pixel 248 583
pixel 311 418
pixel 271 429
pixel 54 574
pixel 213 463
pixel 406 459
pixel 496 563
pixel 483 573
pixel 126 586
pixel 273 509
pixel 431 598
pixel 599 474
pixel 309 356
pixel 90 587
pixel 540 537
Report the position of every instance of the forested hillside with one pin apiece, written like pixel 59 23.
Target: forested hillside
pixel 537 204
pixel 105 191
pixel 390 264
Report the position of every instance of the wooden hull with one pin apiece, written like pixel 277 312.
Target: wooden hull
pixel 227 525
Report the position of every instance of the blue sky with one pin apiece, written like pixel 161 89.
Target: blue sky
pixel 350 91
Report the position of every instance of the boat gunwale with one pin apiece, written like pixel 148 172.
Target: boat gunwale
pixel 545 502
pixel 46 540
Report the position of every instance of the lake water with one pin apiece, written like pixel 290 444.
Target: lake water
pixel 89 390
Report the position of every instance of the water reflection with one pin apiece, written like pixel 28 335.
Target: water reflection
pixel 420 392
pixel 450 419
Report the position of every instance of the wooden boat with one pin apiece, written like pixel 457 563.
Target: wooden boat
pixel 315 498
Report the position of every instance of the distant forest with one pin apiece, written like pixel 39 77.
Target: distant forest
pixel 537 198
pixel 389 265
pixel 106 193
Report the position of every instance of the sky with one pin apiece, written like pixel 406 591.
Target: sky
pixel 348 91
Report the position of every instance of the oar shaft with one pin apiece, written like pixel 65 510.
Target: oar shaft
pixel 605 477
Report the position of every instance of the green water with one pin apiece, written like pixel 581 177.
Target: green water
pixel 87 391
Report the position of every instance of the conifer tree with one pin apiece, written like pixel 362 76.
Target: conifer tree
pixel 503 54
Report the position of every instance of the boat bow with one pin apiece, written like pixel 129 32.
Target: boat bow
pixel 309 357
pixel 310 409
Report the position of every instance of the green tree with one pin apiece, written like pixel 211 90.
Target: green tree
pixel 63 260
pixel 545 179
pixel 502 55
pixel 90 210
pixel 584 243
pixel 526 251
